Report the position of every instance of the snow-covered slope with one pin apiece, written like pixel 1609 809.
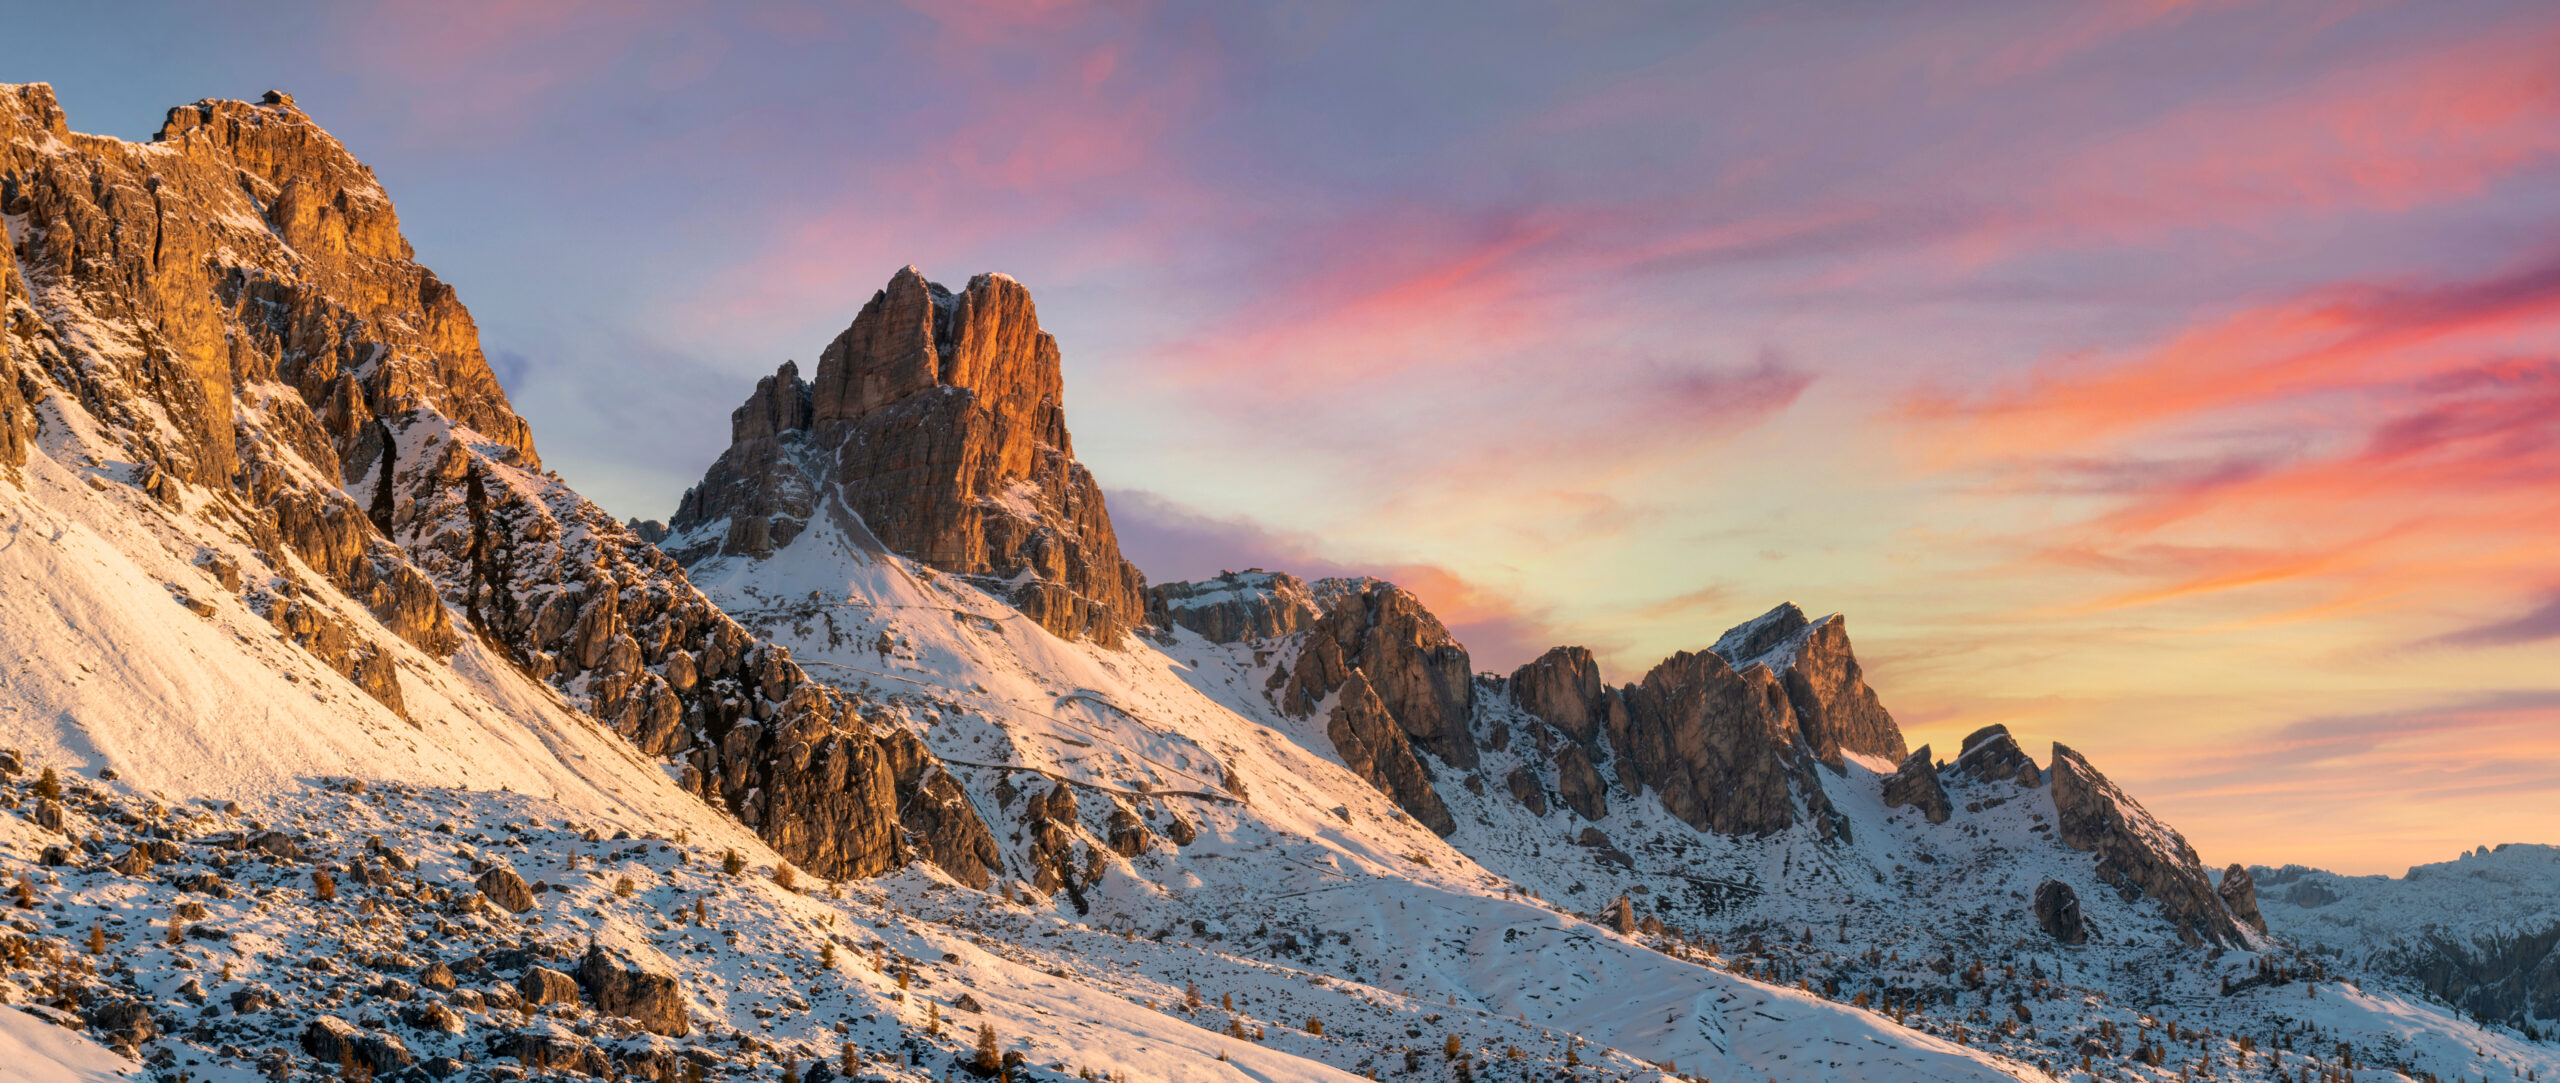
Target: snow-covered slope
pixel 1301 879
pixel 2481 931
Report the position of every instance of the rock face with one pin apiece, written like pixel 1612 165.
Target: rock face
pixel 1990 754
pixel 2058 913
pixel 2137 854
pixel 1563 689
pixel 1235 607
pixel 1916 783
pixel 1719 746
pixel 1414 666
pixel 235 306
pixel 636 985
pixel 1825 688
pixel 2240 893
pixel 1374 747
pixel 937 422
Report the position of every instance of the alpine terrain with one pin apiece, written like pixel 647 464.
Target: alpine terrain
pixel 340 739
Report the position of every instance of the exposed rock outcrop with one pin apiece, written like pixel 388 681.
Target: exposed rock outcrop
pixel 2239 892
pixel 235 305
pixel 1989 754
pixel 936 422
pixel 1563 689
pixel 2137 854
pixel 1235 606
pixel 1415 667
pixel 2058 912
pixel 1578 783
pixel 1827 690
pixel 1374 747
pixel 1718 746
pixel 637 985
pixel 1916 783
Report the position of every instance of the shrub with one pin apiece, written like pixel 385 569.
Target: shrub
pixel 49 785
pixel 732 863
pixel 785 878
pixel 322 887
pixel 623 888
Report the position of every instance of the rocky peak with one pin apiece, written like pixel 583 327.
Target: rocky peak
pixel 937 421
pixel 2137 854
pixel 1838 713
pixel 1234 606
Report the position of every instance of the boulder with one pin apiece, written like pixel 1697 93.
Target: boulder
pixel 334 1041
pixel 2058 912
pixel 542 985
pixel 503 887
pixel 1916 783
pixel 638 985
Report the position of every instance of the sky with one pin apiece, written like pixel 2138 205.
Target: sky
pixel 2176 381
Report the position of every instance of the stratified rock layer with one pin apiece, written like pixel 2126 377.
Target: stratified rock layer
pixel 936 421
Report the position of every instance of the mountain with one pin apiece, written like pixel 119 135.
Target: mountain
pixel 935 429
pixel 338 739
pixel 2480 932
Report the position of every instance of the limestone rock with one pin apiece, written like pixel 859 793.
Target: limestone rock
pixel 1417 670
pixel 1235 607
pixel 1828 691
pixel 940 822
pixel 1718 746
pixel 935 429
pixel 1916 783
pixel 1129 835
pixel 1563 689
pixel 1374 747
pixel 2058 912
pixel 332 1040
pixel 1579 785
pixel 2239 892
pixel 636 984
pixel 293 376
pixel 1525 788
pixel 2136 852
pixel 543 985
pixel 1990 754
pixel 506 889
